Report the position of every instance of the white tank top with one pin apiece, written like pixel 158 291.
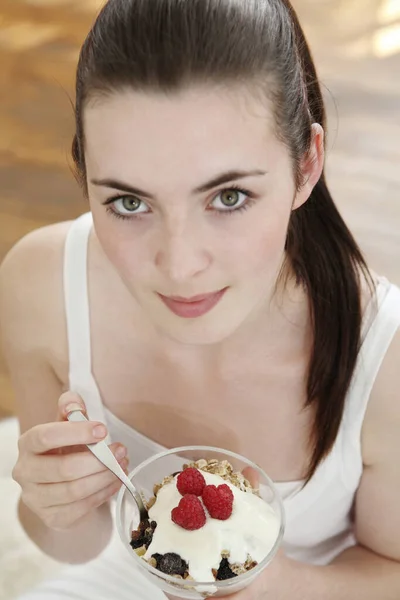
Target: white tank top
pixel 318 516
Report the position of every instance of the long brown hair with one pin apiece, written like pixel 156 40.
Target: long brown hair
pixel 164 45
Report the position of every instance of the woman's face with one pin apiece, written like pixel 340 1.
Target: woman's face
pixel 191 196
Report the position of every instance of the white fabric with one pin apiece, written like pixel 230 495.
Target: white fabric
pixel 22 564
pixel 111 576
pixel 318 523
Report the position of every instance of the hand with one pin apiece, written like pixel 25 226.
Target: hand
pixel 61 480
pixel 278 581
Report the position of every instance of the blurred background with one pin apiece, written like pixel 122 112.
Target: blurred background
pixel 356 44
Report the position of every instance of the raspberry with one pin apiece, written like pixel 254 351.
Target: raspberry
pixel 190 481
pixel 218 501
pixel 189 513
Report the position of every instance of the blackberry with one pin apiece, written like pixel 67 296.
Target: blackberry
pixel 225 571
pixel 143 536
pixel 157 557
pixel 137 541
pixel 171 563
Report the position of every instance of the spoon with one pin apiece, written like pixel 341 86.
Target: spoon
pixel 103 453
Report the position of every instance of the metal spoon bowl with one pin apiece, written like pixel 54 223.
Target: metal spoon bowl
pixel 103 453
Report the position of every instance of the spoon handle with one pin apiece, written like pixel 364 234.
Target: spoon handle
pixel 103 453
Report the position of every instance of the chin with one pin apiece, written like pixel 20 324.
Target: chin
pixel 197 332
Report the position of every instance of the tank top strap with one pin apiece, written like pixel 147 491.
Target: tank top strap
pixel 77 312
pixel 381 322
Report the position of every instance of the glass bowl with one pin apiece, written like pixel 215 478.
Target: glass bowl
pixel 152 472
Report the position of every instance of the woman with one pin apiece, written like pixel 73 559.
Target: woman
pixel 218 299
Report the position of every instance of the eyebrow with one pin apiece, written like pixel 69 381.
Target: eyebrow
pixel 205 187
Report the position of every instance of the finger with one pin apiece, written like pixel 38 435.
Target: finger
pixel 252 476
pixel 68 402
pixel 58 469
pixel 49 495
pixel 60 518
pixel 49 436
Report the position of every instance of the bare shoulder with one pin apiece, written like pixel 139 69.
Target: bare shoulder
pixel 31 288
pixel 379 487
pixel 382 420
pixel 39 243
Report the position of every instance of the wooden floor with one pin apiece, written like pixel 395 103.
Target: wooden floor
pixel 356 45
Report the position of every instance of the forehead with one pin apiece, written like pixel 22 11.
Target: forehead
pixel 206 129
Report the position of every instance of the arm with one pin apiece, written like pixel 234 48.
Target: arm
pixel 32 332
pixel 93 533
pixel 358 573
pixel 370 570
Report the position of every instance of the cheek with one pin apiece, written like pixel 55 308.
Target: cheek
pixel 122 247
pixel 259 245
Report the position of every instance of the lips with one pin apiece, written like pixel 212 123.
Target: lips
pixel 196 306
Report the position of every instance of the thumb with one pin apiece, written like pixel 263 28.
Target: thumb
pixel 68 402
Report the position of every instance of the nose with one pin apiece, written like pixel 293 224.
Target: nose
pixel 182 257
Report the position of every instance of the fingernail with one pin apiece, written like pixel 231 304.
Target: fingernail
pixel 99 431
pixel 124 463
pixel 120 452
pixel 73 406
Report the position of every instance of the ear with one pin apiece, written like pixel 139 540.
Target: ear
pixel 312 166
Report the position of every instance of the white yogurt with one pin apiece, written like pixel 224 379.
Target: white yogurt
pixel 252 529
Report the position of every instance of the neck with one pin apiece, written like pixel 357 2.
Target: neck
pixel 278 330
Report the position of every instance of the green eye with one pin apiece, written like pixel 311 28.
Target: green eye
pixel 230 198
pixel 130 203
pixel 129 206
